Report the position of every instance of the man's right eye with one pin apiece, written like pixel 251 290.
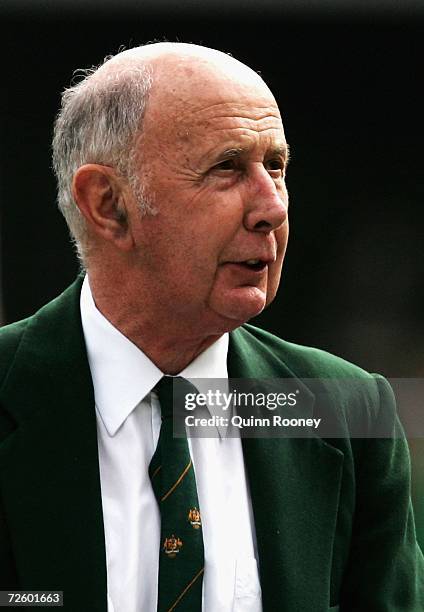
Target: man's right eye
pixel 227 164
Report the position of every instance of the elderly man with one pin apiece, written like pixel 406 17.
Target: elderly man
pixel 171 163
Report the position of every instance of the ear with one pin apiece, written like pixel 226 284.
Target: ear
pixel 99 196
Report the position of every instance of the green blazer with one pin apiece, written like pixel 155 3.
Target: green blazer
pixel 333 517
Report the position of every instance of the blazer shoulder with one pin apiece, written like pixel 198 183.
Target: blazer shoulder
pixel 10 339
pixel 305 361
pixel 41 332
pixel 351 392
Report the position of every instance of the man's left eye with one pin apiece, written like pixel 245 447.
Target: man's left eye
pixel 275 164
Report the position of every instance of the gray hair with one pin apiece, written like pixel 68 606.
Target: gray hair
pixel 99 122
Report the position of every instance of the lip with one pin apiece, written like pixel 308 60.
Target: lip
pixel 265 259
pixel 243 267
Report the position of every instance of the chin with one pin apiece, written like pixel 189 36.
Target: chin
pixel 238 305
pixel 239 314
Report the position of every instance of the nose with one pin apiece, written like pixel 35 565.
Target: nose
pixel 267 203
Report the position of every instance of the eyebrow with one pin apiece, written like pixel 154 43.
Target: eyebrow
pixel 283 150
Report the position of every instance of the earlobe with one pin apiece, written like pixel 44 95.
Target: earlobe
pixel 98 194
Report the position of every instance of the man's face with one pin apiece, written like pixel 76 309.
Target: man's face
pixel 213 159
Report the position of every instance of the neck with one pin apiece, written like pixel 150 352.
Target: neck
pixel 171 344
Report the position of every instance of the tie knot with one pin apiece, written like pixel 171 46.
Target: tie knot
pixel 171 392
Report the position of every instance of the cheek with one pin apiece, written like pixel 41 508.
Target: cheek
pixel 282 236
pixel 274 274
pixel 218 234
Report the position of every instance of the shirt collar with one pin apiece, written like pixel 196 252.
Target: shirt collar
pixel 122 374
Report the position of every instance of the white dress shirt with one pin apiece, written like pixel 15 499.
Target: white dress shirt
pixel 128 424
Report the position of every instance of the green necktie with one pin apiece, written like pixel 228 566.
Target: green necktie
pixel 181 556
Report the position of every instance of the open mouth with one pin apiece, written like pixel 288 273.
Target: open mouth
pixel 253 264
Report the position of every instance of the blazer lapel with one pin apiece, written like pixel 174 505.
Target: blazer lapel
pixel 295 487
pixel 49 465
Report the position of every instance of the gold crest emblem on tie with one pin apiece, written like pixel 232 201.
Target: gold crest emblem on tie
pixel 171 546
pixel 194 518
